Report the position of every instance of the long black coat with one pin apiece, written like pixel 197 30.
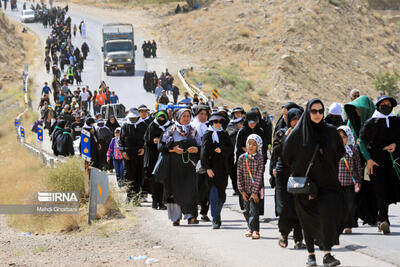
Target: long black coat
pixel 151 150
pixel 130 141
pixel 376 135
pixel 320 218
pixel 218 162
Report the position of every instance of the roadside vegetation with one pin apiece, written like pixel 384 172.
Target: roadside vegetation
pixel 22 175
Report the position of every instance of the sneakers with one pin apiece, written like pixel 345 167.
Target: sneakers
pixel 384 227
pixel 154 205
pixel 330 261
pixel 205 218
pixel 311 261
pixel 162 207
pixel 216 224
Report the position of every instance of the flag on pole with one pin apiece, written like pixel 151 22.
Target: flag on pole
pixel 40 134
pixel 85 145
pixel 22 131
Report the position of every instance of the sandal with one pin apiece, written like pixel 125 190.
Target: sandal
pixel 248 233
pixel 348 231
pixel 255 235
pixel 283 241
pixel 193 221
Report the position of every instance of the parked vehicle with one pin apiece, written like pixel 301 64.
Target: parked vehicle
pixel 27 15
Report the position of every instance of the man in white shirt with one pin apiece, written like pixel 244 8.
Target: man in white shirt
pixel 84 98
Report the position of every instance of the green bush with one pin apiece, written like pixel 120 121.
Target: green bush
pixel 337 2
pixel 387 83
pixel 228 78
pixel 67 176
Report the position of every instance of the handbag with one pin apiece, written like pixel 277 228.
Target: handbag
pixel 301 184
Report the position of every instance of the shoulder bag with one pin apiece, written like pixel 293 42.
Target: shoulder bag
pixel 301 184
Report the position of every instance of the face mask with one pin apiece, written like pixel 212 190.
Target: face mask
pixel 334 119
pixel 385 109
pixel 133 120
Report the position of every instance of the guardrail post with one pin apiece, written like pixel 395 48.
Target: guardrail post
pixel 92 201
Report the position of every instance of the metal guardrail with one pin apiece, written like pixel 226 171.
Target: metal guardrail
pixel 191 88
pixel 48 159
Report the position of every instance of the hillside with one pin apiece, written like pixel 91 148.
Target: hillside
pixel 16 50
pixel 284 50
pixel 267 52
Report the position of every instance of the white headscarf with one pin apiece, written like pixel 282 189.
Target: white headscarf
pixel 336 109
pixel 214 135
pixel 258 140
pixel 201 127
pixel 379 115
pixel 350 139
pixel 163 127
pixel 135 123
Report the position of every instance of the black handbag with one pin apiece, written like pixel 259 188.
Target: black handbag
pixel 301 184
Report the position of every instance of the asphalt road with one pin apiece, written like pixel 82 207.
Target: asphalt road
pixel 128 88
pixel 364 240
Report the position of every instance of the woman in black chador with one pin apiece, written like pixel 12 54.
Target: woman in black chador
pixel 288 219
pixel 379 144
pixel 319 212
pixel 151 139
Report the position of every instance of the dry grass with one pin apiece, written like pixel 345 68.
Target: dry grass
pixel 21 174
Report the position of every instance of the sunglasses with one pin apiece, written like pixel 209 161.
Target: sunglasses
pixel 218 121
pixel 315 111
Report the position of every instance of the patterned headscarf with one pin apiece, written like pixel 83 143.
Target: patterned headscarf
pixel 350 139
pixel 258 140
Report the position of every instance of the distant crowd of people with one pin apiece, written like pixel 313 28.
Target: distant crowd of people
pixel 149 49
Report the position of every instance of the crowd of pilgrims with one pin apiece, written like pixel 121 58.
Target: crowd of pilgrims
pixel 63 60
pixel 184 158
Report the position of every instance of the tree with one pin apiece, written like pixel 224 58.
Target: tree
pixel 387 83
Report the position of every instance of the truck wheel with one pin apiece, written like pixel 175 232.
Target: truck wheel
pixel 132 72
pixel 108 72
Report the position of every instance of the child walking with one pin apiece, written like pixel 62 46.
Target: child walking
pixel 250 173
pixel 114 152
pixel 350 175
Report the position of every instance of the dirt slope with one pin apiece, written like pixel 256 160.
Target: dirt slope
pixel 12 52
pixel 266 52
pixel 296 49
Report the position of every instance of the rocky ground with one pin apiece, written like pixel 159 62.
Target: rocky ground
pixel 107 243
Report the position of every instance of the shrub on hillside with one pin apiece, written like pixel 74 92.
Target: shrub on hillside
pixel 387 83
pixel 67 176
